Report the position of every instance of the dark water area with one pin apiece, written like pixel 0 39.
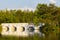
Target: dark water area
pixel 47 36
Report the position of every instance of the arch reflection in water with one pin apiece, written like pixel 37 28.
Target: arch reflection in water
pixel 22 29
pixel 31 29
pixel 13 28
pixel 5 29
pixel 41 27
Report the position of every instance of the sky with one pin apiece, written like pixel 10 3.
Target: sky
pixel 11 4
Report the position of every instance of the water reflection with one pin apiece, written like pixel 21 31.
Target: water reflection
pixel 51 34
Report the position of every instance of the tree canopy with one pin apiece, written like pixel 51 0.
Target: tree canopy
pixel 43 13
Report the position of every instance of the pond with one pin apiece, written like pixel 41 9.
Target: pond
pixel 48 36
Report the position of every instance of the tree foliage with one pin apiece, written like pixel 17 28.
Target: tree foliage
pixel 48 14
